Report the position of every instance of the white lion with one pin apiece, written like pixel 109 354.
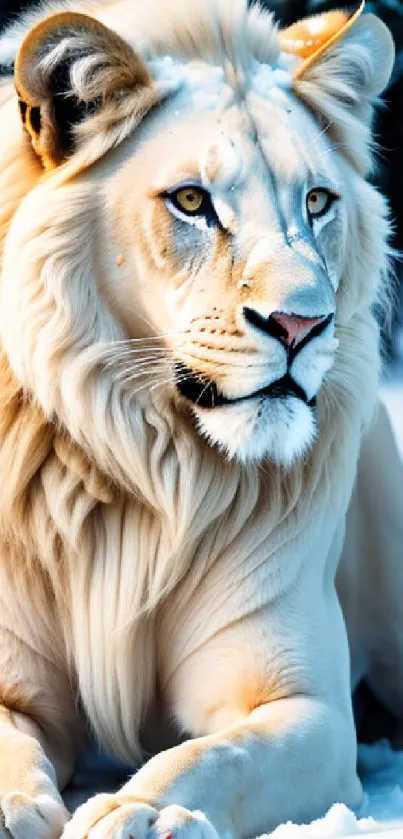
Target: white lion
pixel 190 257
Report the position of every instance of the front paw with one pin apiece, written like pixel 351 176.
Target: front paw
pixel 117 817
pixel 41 816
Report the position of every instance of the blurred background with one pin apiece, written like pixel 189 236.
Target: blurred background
pixel 388 174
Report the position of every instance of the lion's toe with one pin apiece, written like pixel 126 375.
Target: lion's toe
pixel 179 823
pixel 42 817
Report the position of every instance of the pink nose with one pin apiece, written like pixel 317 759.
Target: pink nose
pixel 295 327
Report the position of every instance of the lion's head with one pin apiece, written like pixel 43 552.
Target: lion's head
pixel 204 233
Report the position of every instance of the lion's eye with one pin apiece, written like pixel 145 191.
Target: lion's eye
pixel 319 201
pixel 189 200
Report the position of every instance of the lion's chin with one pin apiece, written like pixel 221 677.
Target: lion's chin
pixel 281 430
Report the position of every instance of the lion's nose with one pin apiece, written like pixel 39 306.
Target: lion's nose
pixel 289 329
pixel 295 327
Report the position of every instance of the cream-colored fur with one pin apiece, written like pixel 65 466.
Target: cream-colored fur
pixel 161 559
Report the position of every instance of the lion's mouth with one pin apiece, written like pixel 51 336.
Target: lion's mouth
pixel 205 394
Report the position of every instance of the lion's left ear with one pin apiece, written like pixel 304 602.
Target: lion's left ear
pixel 351 52
pixel 71 67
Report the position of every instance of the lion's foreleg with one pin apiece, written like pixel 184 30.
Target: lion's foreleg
pixel 278 763
pixel 39 734
pixel 283 761
pixel 30 804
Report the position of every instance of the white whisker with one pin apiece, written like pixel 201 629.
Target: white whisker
pixel 203 392
pixel 127 376
pixel 136 341
pixel 134 363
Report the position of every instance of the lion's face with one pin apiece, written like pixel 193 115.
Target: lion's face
pixel 229 230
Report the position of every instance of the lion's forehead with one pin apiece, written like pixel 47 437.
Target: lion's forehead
pixel 205 83
pixel 227 129
pixel 248 148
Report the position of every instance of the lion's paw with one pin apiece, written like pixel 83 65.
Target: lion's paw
pixel 39 817
pixel 179 823
pixel 112 817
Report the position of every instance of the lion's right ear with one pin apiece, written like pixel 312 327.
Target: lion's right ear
pixel 69 68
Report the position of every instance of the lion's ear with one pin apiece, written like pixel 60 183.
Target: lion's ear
pixel 354 50
pixel 70 67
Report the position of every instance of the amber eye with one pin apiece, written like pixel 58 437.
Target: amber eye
pixel 319 201
pixel 189 199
